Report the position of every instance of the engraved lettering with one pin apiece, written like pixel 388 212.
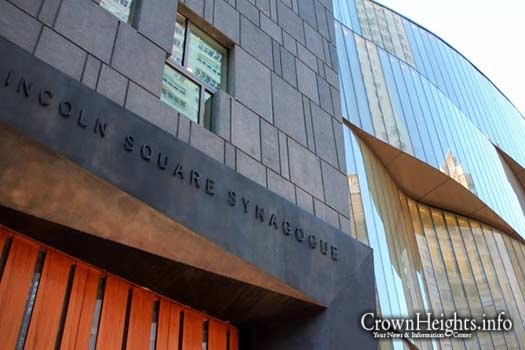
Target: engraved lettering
pixel 259 213
pixel 232 198
pixel 299 234
pixel 195 179
pixel 45 97
pixel 245 203
pixel 129 143
pixel 81 122
pixel 100 127
pixel 146 152
pixel 287 228
pixel 25 86
pixel 8 78
pixel 312 241
pixel 178 171
pixel 335 253
pixel 273 222
pixel 65 109
pixel 162 161
pixel 210 187
pixel 323 247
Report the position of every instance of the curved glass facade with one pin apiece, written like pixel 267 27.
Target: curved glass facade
pixel 404 86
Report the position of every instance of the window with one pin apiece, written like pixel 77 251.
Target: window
pixel 194 71
pixel 122 9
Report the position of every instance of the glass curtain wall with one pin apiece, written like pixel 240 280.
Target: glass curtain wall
pixel 422 107
pixel 404 86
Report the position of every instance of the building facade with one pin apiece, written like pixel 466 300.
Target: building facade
pixel 435 165
pixel 174 177
pixel 249 174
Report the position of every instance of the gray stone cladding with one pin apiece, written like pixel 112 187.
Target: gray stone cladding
pixel 279 120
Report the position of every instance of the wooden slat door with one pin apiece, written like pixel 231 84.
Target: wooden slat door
pixel 69 305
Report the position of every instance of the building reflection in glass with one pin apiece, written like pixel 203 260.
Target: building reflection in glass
pixel 430 260
pixel 181 93
pixel 455 170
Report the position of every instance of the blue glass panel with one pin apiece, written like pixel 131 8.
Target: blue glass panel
pixel 359 85
pixel 418 116
pixel 432 59
pixel 435 116
pixel 406 143
pixel 448 71
pixel 349 102
pixel 413 45
pixel 407 108
pixel 353 16
pixel 428 119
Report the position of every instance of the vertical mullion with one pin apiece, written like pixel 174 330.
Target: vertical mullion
pixel 132 17
pixel 186 43
pixel 201 104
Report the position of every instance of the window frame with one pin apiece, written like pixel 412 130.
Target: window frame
pixel 184 69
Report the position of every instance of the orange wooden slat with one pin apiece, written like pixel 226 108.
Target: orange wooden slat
pixel 234 338
pixel 47 310
pixel 74 308
pixel 140 319
pixel 169 325
pixel 192 330
pixel 164 325
pixel 14 289
pixel 87 311
pixel 111 331
pixel 217 339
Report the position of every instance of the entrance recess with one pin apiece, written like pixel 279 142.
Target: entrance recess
pixel 50 301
